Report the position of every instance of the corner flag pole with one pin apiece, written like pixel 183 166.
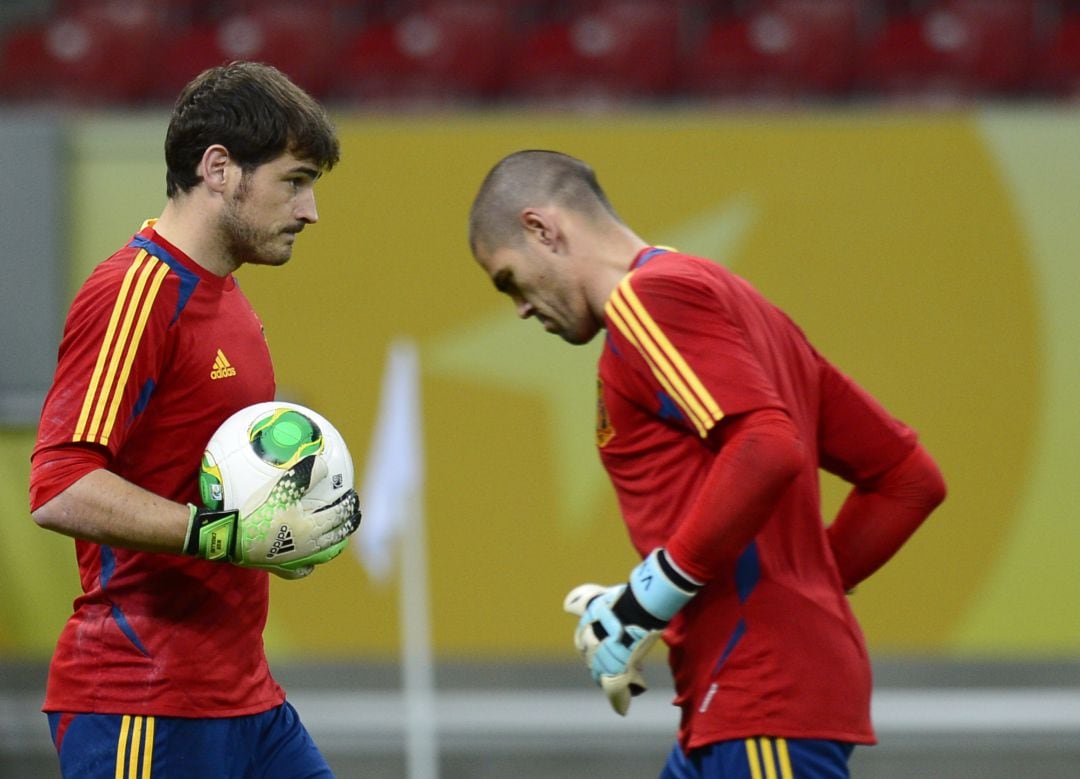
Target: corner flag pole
pixel 393 506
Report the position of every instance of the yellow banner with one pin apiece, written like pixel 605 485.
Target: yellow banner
pixel 931 257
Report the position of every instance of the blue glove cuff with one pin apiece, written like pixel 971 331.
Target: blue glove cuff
pixel 660 587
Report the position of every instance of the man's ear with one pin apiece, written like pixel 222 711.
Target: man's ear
pixel 214 167
pixel 540 226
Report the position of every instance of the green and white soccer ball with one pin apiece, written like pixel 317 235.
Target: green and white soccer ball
pixel 262 441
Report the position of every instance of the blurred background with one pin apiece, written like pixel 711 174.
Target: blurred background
pixel 901 176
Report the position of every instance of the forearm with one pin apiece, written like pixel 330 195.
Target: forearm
pixel 104 508
pixel 760 456
pixel 874 522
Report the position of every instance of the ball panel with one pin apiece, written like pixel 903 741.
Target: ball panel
pixel 285 437
pixel 258 443
pixel 210 486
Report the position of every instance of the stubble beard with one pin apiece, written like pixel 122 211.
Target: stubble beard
pixel 243 241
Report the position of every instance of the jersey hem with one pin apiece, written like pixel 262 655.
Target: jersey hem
pixel 185 712
pixel 698 741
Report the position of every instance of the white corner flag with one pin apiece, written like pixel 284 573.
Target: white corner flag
pixel 393 506
pixel 391 498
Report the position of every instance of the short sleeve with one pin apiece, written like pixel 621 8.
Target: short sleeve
pixel 112 353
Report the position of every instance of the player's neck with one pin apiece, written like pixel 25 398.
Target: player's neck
pixel 189 227
pixel 615 250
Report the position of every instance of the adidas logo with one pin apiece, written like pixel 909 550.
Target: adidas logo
pixel 282 544
pixel 222 367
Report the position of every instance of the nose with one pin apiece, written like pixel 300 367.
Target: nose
pixel 523 307
pixel 305 208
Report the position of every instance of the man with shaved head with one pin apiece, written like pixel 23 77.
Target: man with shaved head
pixel 715 415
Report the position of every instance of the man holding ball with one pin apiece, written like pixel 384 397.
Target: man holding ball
pixel 160 671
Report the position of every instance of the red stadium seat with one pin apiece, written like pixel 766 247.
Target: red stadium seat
pixel 616 50
pixel 439 52
pixel 80 60
pixel 122 12
pixel 303 42
pixel 1056 68
pixel 953 49
pixel 785 49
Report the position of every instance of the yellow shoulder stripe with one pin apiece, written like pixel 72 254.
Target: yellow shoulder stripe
pixel 678 379
pixel 118 348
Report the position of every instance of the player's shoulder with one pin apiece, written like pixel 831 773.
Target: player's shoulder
pixel 661 264
pixel 129 261
pixel 129 272
pixel 669 273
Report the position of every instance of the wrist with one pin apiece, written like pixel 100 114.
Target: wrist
pixel 210 534
pixel 657 590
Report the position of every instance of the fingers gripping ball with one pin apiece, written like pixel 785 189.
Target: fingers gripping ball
pixel 280 530
pixel 277 481
pixel 274 529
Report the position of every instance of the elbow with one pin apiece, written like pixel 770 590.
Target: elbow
pixel 58 514
pixel 769 444
pixel 781 452
pixel 798 457
pixel 933 483
pixel 917 481
pixel 920 479
pixel 58 498
pixel 792 455
pixel 48 516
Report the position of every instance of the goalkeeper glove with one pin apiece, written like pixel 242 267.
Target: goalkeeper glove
pixel 274 530
pixel 619 625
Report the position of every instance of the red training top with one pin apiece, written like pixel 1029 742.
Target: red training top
pixel 769 646
pixel 156 353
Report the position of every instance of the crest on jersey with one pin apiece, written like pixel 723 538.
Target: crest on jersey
pixel 604 430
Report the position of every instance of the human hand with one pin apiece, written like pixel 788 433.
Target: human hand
pixel 276 529
pixel 618 625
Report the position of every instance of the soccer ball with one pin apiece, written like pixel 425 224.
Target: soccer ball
pixel 262 441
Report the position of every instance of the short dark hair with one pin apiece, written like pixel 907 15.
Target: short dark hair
pixel 255 112
pixel 531 177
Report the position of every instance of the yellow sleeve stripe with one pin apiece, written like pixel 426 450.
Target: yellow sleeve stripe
pixel 158 276
pixel 676 358
pixel 119 347
pixel 632 319
pixel 615 315
pixel 619 314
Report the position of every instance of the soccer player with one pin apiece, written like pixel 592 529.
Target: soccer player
pixel 715 414
pixel 160 671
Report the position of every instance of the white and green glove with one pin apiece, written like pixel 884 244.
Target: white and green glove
pixel 273 530
pixel 618 625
